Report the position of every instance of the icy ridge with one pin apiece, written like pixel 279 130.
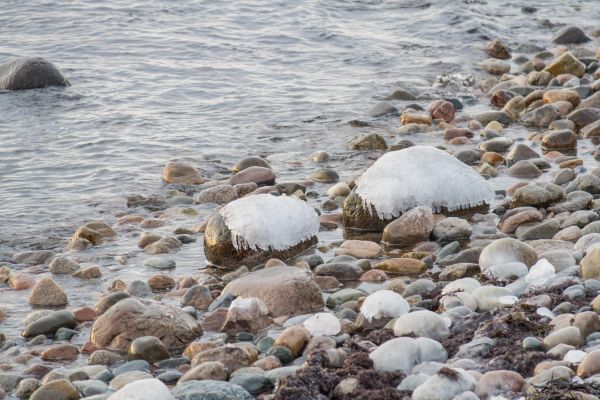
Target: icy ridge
pixel 421 176
pixel 265 222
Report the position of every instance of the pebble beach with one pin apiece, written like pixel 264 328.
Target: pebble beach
pixel 447 248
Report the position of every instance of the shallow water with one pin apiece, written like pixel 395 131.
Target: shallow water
pixel 210 82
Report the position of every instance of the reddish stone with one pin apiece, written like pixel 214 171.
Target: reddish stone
pixel 443 110
pixel 259 175
pixel 327 282
pixel 88 348
pixel 187 283
pixel 459 140
pixel 60 352
pixel 511 190
pixel 21 281
pixel 452 133
pixel 84 314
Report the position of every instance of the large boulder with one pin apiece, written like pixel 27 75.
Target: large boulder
pixel 250 230
pixel 285 290
pixel 411 177
pixel 130 319
pixel 30 73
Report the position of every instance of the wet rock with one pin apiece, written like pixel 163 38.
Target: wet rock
pixel 294 338
pixel 584 117
pixel 556 95
pixel 246 315
pixel 210 370
pixel 342 271
pixel 495 67
pixel 538 194
pixel 30 73
pixel 460 270
pixel 500 116
pixel 402 266
pixel 35 257
pixel 500 382
pixel 413 226
pixel 412 116
pixel 26 388
pixel 47 293
pixel 591 130
pixel 359 249
pixel 325 175
pixel 541 116
pixel 51 323
pixel 442 110
pixel 233 357
pixel 319 156
pixel 497 49
pixel 370 141
pixel 262 176
pixel 148 348
pixel 559 140
pixel 568 335
pixel 541 230
pixel 248 162
pixel 340 189
pixel 197 296
pixel 497 144
pixel 88 273
pixel 130 319
pixel 589 183
pixel 510 223
pixel 93 233
pixel 220 194
pixel 570 35
pixel 451 229
pixel 566 64
pixel 63 265
pixel 60 389
pixel 60 352
pixel 270 285
pixel 590 264
pixel 181 173
pixel 382 108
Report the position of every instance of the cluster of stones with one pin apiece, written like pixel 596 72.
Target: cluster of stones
pixel 451 307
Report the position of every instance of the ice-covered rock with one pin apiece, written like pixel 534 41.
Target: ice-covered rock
pixel 506 250
pixel 445 385
pixel 323 324
pixel 423 323
pixel 400 354
pixel 540 273
pixel 411 177
pixel 461 285
pixel 490 297
pixel 246 314
pixel 255 228
pixel 384 303
pixel 458 299
pixel 506 271
pixel 431 350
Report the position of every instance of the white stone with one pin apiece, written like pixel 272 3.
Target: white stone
pixel 464 298
pixel 490 297
pixel 323 324
pixel 144 389
pixel 384 303
pixel 461 285
pixel 431 350
pixel 513 269
pixel 443 387
pixel 540 273
pixel 423 323
pixel 400 354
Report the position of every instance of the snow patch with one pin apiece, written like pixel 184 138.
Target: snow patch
pixel 268 222
pixel 421 176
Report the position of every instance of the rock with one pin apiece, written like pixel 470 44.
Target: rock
pixel 47 293
pixel 402 266
pixel 26 387
pixel 91 234
pixel 161 282
pixel 88 273
pixel 490 297
pixel 122 379
pixel 442 110
pixel 412 227
pixel 30 73
pixel 343 296
pixel 495 67
pixel 229 240
pixel 63 265
pixel 412 116
pixel 159 263
pixel 460 270
pixel 246 315
pixel 382 108
pixel 130 319
pixel 559 140
pixel 451 229
pixel 566 64
pixel 400 354
pixel 446 384
pixel 541 116
pixel 181 173
pixel 570 35
pixel 248 162
pixel 588 183
pixel 210 390
pixel 143 389
pixel 524 169
pixel 260 175
pixel 359 249
pixel 319 156
pixel 497 144
pixel 148 348
pixel 521 152
pixel 453 133
pixel 294 338
pixel 271 285
pixel 60 352
pixel 370 141
pixel 220 194
pixel 210 370
pixel 104 357
pixel 233 357
pixel 49 324
pixel 198 297
pixel 36 257
pixel 591 130
pixel 590 365
pixel 506 250
pixel 340 189
pixel 497 49
pixel 538 194
pixel 569 335
pixel 342 271
pixel 590 264
pixel 423 323
pixel 512 222
pixel 542 230
pixel 556 95
pixel 584 116
pixel 60 389
pixel 324 175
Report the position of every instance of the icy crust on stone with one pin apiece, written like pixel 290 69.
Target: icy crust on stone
pixel 267 222
pixel 421 176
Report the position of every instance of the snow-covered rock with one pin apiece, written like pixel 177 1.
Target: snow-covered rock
pixel 423 323
pixel 255 228
pixel 411 177
pixel 540 273
pixel 400 354
pixel 384 303
pixel 323 324
pixel 144 389
pixel 445 385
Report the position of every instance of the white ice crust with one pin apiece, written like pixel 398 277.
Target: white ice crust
pixel 421 176
pixel 264 221
pixel 384 303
